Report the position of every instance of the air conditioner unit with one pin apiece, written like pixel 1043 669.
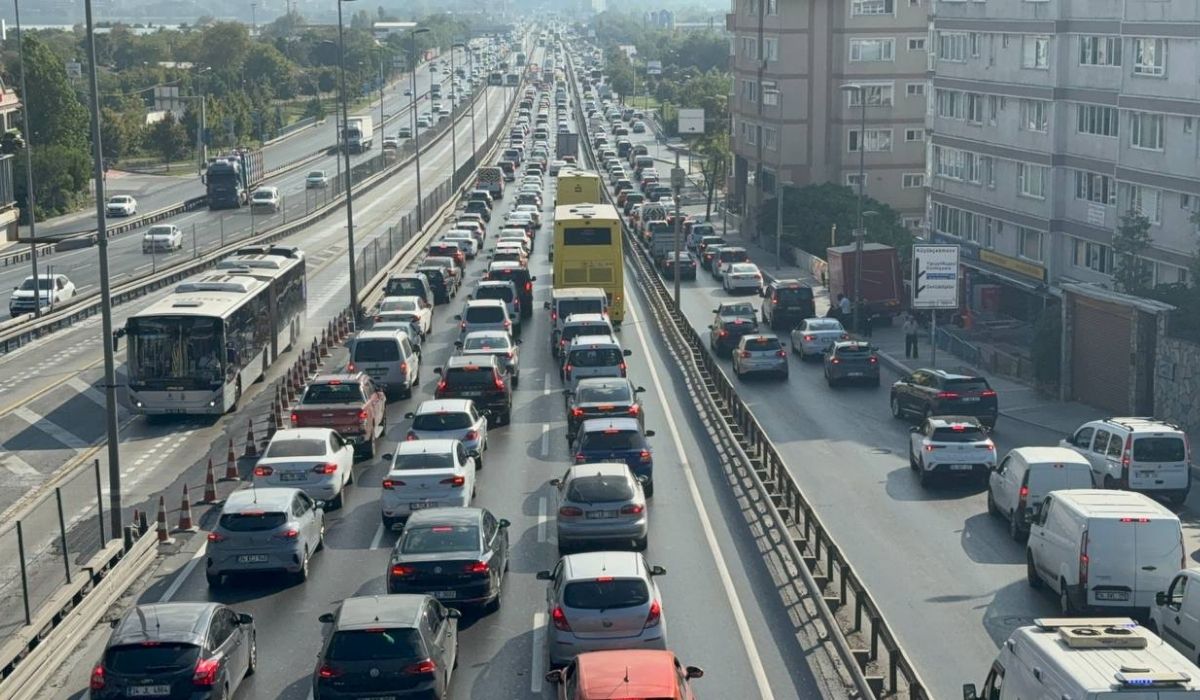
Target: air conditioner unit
pixel 1103 637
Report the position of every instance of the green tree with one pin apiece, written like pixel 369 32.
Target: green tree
pixel 315 108
pixel 810 213
pixel 61 175
pixel 269 68
pixel 1130 271
pixel 168 137
pixel 224 46
pixel 12 142
pixel 59 117
pixel 120 133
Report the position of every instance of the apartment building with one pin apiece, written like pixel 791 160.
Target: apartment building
pixel 791 118
pixel 1049 120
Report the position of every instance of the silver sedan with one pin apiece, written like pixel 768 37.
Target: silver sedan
pixel 816 335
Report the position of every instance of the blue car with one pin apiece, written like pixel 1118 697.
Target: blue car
pixel 617 440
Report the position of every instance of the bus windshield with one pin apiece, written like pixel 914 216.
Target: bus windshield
pixel 175 351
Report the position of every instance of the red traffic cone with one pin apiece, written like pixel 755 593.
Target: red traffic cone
pixel 210 485
pixel 231 469
pixel 251 447
pixel 164 536
pixel 185 513
pixel 329 336
pixel 315 351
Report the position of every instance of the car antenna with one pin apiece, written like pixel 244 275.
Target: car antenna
pixel 253 492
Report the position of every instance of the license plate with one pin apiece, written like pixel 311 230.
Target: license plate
pixel 292 476
pixel 970 399
pixel 960 467
pixel 598 514
pixel 376 371
pixel 418 505
pixel 1146 474
pixel 147 691
pixel 1111 595
pixel 467 394
pixel 854 374
pixel 252 559
pixel 444 595
pixel 380 697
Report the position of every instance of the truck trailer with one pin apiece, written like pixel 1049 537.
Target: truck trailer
pixel 229 179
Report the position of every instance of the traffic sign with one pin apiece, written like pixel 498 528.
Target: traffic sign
pixel 935 277
pixel 678 178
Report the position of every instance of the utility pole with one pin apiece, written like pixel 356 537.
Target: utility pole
pixel 382 131
pixel 677 181
pixel 30 200
pixel 415 132
pixel 859 233
pixel 349 173
pixel 453 130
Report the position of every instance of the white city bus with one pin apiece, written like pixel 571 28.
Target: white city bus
pixel 194 351
pixel 283 267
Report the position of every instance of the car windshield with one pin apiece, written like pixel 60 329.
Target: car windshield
pixel 484 314
pixel 158 231
pixel 398 305
pixel 296 447
pixel 606 593
pixel 612 439
pixel 423 460
pixel 42 282
pixel 1159 449
pixel 966 386
pixel 595 357
pixel 150 658
pixel 317 174
pixel 377 350
pixel 397 287
pixel 442 420
pixel 604 393
pixel 252 521
pixel 762 344
pixel 438 539
pixel 469 376
pixel 853 352
pixel 743 269
pixel 730 255
pixel 599 489
pixel 494 292
pixel 375 645
pixel 486 342
pixel 959 433
pixel 333 393
pixel 175 351
pixel 793 295
pixel 737 310
pixel 566 307
pixel 264 194
pixel 823 324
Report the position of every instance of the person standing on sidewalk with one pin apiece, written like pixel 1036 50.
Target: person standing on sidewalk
pixel 843 303
pixel 911 334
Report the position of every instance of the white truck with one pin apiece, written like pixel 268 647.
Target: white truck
pixel 360 131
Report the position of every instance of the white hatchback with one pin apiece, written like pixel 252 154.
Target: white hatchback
pixel 318 461
pixel 427 474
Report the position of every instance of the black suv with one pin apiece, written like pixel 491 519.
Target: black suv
pixel 519 275
pixel 786 303
pixel 479 378
pixel 188 650
pixel 727 331
pixel 439 281
pixel 936 392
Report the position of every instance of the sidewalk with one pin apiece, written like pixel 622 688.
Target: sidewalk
pixel 1018 402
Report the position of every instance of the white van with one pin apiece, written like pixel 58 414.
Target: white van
pixel 1139 454
pixel 573 300
pixel 1087 659
pixel 1104 550
pixel 593 356
pixel 1026 476
pixel 389 358
pixel 1176 613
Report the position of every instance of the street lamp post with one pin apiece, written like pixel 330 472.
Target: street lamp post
pixel 346 154
pixel 453 130
pixel 779 186
pixel 416 134
pixel 382 131
pixel 470 69
pixel 859 233
pixel 29 196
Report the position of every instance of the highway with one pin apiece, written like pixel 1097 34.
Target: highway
pixel 203 229
pixel 721 607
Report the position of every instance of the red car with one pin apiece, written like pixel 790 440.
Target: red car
pixel 349 403
pixel 633 673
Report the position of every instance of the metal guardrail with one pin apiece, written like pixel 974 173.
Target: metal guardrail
pixel 853 620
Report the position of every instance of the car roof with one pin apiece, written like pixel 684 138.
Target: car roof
pixel 954 421
pixel 339 377
pixel 497 283
pixel 445 516
pixel 643 673
pixel 416 447
pixel 381 334
pixel 302 434
pixel 442 406
pixel 944 374
pixel 396 610
pixel 586 318
pixel 598 469
pixel 164 622
pixel 759 336
pixel 594 340
pixel 258 498
pixel 470 360
pixel 486 302
pixel 602 381
pixel 857 344
pixel 599 424
pixel 578 293
pixel 590 565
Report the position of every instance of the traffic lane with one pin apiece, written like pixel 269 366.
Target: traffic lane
pixel 850 457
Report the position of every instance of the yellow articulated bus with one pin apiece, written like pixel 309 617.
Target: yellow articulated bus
pixel 578 187
pixel 587 252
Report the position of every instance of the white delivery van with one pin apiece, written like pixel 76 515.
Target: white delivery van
pixel 1026 476
pixel 389 358
pixel 1104 550
pixel 1087 659
pixel 1176 613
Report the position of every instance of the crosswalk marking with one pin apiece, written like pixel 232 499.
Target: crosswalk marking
pixel 51 428
pixel 18 466
pixel 88 390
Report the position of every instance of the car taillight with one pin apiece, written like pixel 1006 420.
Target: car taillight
pixel 404 367
pixel 1083 562
pixel 499 383
pixel 327 468
pixel 263 471
pixel 635 409
pixel 476 567
pixel 570 512
pixel 97 680
pixel 462 324
pixel 206 672
pixel 389 484
pixel 632 509
pixel 289 534
pixel 745 353
pixel 454 481
pixel 401 570
pixel 623 368
pixel 844 336
pixel 362 415
pixel 1126 457
pixel 809 338
pixel 576 412
pixel 644 455
pixel 215 537
pixel 471 435
pixel 327 671
pixel 930 448
pixel 378 319
pixel 580 458
pixel 987 392
pixel 1022 496
pixel 295 418
pixel 441 385
pixel 529 286
pixel 946 395
pixel 559 618
pixel 424 667
pixel 722 334
pixel 655 615
pixel 873 360
pixel 410 436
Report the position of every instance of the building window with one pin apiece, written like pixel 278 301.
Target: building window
pixel 772 7
pixel 987 171
pixel 1030 243
pixel 770 92
pixel 995 103
pixel 751 133
pixel 975 103
pixel 912 223
pixel 770 49
pixel 1146 130
pixel 911 135
pixel 1035 115
pixel 860 8
pixel 1187 125
pixel 1099 50
pixel 877 95
pixel 852 180
pixel 1093 119
pixel 874 140
pixel 915 89
pixel 749 91
pixel 912 181
pixel 1169 274
pixel 866 50
pixel 950 104
pixel 750 48
pixel 1031 180
pixel 956 164
pixel 916 43
pixel 974 40
pixel 1149 56
pixel 1093 256
pixel 769 138
pixel 1147 201
pixel 952 46
pixel 1035 52
pixel 1094 187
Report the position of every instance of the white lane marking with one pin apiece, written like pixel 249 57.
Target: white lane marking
pixel 18 466
pixel 378 538
pixel 542 519
pixel 51 428
pixel 538 657
pixel 735 603
pixel 549 389
pixel 184 573
pixel 545 439
pixel 88 390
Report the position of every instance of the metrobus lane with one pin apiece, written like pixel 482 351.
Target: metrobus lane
pixel 721 608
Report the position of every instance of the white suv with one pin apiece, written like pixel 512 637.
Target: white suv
pixel 1138 454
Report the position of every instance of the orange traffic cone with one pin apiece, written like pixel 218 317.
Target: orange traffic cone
pixel 316 349
pixel 210 484
pixel 185 514
pixel 324 344
pixel 329 336
pixel 164 537
pixel 231 469
pixel 251 447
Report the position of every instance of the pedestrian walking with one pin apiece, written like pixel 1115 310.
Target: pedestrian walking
pixel 911 333
pixel 843 307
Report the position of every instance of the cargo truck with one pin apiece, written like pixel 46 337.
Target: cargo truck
pixel 567 144
pixel 882 285
pixel 490 178
pixel 359 133
pixel 229 179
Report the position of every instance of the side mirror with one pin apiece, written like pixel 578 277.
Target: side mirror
pixel 533 279
pixel 453 614
pixel 518 341
pixel 642 479
pixel 914 429
pixel 969 692
pixel 437 371
pixel 1160 598
pixel 694 672
pixel 543 575
pixel 649 433
pixel 458 344
pixel 326 618
pixel 627 353
pixel 245 619
pixel 503 522
pixel 714 311
pixel 388 457
pixel 658 571
pixel 319 504
pixel 546 305
pixel 639 390
pixel 554 677
pixel 556 482
pixel 567 392
pixel 410 415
